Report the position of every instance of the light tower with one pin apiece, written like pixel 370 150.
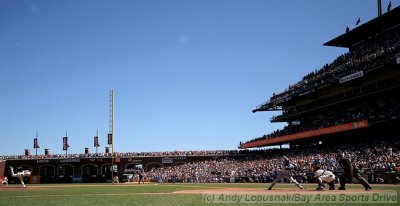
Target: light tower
pixel 111 132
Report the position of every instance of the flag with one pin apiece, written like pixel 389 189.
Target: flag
pixel 109 137
pixel 65 143
pixel 35 143
pixel 358 21
pixel 96 141
pixel 389 6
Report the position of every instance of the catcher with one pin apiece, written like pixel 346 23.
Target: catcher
pixel 324 177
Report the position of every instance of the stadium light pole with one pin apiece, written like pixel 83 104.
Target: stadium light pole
pixel 112 93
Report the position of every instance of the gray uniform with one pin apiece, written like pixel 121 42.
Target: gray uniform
pixel 286 172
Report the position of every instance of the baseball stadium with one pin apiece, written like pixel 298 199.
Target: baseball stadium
pixel 347 110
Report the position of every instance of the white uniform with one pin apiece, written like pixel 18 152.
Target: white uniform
pixel 115 180
pixel 4 181
pixel 325 175
pixel 20 175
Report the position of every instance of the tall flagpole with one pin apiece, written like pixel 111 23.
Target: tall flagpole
pixel 379 7
pixel 112 132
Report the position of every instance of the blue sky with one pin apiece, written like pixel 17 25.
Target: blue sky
pixel 186 73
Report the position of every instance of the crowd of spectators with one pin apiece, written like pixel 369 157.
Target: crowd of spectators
pixel 48 156
pixel 378 111
pixel 368 157
pixel 264 165
pixel 178 153
pixel 127 154
pixel 357 59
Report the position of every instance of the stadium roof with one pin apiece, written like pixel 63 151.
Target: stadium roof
pixel 370 28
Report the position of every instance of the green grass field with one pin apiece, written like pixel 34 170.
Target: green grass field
pixel 133 194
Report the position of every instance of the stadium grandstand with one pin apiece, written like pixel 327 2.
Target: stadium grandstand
pixel 378 159
pixel 349 106
pixel 353 98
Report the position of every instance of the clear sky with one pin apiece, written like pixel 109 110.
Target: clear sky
pixel 186 73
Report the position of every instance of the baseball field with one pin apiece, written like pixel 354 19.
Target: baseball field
pixel 192 194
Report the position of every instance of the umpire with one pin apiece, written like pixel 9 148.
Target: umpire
pixel 350 171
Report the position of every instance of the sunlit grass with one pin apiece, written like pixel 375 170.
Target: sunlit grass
pixel 128 194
